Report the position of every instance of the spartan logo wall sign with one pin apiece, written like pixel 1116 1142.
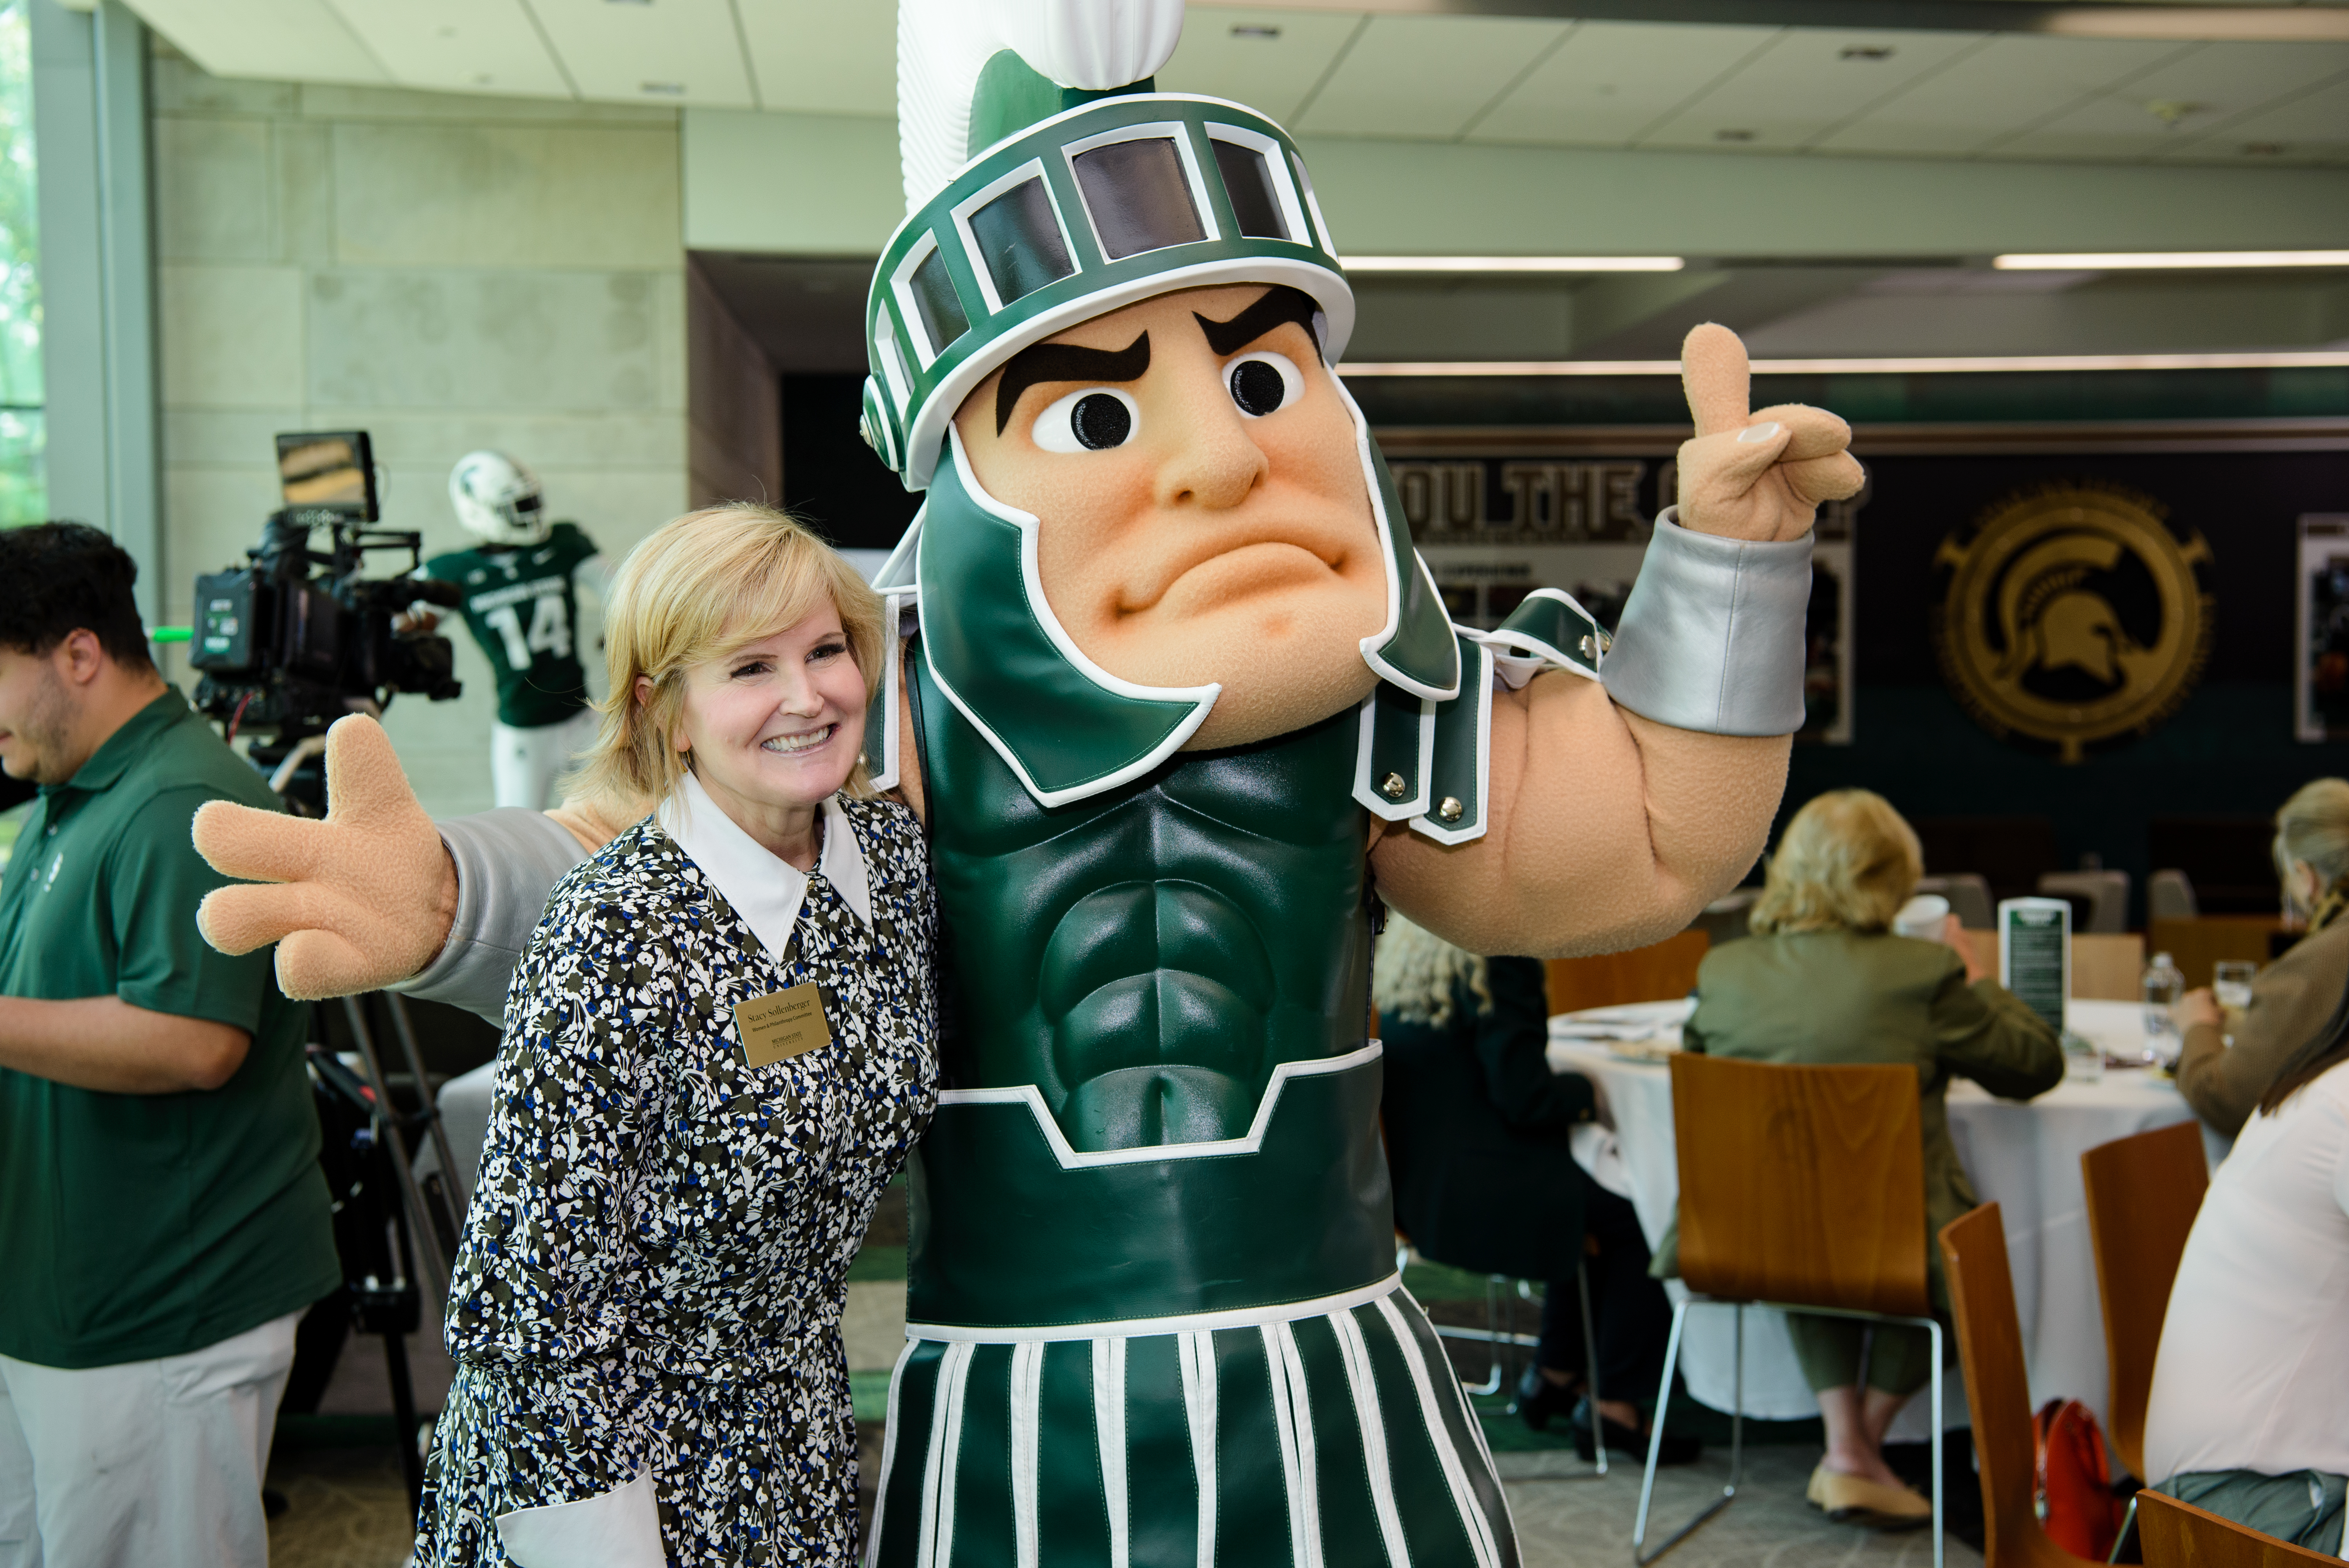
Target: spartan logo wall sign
pixel 2074 614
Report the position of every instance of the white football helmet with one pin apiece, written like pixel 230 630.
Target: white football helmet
pixel 498 499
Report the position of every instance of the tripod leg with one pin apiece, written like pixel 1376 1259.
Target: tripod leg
pixel 452 1178
pixel 403 1414
pixel 428 1237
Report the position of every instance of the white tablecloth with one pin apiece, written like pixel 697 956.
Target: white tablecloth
pixel 2024 1158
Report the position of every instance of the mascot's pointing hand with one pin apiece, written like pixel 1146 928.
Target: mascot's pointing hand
pixel 364 897
pixel 1758 476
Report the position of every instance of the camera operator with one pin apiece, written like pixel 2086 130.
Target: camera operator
pixel 163 1222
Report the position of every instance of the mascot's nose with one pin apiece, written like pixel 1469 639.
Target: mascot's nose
pixel 1214 461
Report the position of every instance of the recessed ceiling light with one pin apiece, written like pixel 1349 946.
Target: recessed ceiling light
pixel 1431 264
pixel 1254 30
pixel 1949 366
pixel 1865 51
pixel 2169 261
pixel 1732 135
pixel 664 89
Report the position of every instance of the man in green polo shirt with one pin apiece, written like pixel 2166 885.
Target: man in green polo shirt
pixel 163 1222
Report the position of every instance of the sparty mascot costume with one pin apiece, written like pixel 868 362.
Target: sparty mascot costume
pixel 1181 709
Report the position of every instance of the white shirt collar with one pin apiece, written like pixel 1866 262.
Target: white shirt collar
pixel 765 890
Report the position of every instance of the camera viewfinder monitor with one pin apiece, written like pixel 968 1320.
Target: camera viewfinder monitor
pixel 327 476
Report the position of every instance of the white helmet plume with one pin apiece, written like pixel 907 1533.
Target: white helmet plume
pixel 943 45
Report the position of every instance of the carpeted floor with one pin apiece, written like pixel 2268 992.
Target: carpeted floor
pixel 348 1511
pixel 347 1508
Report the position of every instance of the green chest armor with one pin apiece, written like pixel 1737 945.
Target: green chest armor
pixel 1161 1101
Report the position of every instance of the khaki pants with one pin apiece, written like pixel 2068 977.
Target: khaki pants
pixel 149 1464
pixel 1899 1359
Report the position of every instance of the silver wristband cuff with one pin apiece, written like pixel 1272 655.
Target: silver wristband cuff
pixel 507 861
pixel 1712 636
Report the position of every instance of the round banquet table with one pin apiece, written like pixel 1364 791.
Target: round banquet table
pixel 2025 1158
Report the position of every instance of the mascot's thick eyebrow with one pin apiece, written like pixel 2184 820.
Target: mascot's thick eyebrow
pixel 1280 303
pixel 1066 362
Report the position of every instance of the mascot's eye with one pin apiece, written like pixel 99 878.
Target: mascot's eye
pixel 1264 382
pixel 1091 420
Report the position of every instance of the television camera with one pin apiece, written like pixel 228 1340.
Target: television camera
pixel 296 638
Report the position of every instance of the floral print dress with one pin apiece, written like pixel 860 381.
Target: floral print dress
pixel 654 1266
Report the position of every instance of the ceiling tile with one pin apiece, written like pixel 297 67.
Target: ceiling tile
pixel 2197 91
pixel 1611 80
pixel 1228 54
pixel 456 45
pixel 650 51
pixel 2003 88
pixel 820 56
pixel 2312 127
pixel 1804 85
pixel 291 40
pixel 1425 77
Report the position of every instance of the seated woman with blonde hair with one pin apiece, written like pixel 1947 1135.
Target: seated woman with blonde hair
pixel 719 1047
pixel 1823 980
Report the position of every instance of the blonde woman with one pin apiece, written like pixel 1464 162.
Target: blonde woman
pixel 2295 997
pixel 1823 980
pixel 718 1048
pixel 1478 1133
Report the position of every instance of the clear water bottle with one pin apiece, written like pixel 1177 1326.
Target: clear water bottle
pixel 2163 985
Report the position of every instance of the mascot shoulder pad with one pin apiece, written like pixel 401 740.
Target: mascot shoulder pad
pixel 1429 762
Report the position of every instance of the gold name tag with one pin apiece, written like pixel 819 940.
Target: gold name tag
pixel 781 1025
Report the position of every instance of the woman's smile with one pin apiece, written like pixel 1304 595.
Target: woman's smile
pixel 801 743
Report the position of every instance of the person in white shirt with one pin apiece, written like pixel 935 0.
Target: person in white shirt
pixel 2250 1411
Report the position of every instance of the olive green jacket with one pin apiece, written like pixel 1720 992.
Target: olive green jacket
pixel 1861 998
pixel 2293 999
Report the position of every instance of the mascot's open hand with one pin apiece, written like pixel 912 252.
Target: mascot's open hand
pixel 1758 476
pixel 363 898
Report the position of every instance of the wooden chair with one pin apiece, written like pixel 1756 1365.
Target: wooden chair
pixel 2107 968
pixel 2199 945
pixel 1664 972
pixel 2143 1194
pixel 2104 968
pixel 2179 1535
pixel 1802 1188
pixel 1998 1392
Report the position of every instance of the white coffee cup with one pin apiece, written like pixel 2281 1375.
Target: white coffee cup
pixel 1922 917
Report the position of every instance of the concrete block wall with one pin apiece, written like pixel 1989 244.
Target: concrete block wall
pixel 446 271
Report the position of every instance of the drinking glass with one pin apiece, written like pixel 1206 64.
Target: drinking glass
pixel 2231 983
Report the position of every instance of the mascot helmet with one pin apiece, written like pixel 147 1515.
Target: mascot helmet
pixel 1049 182
pixel 498 500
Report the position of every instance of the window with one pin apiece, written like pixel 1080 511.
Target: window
pixel 24 480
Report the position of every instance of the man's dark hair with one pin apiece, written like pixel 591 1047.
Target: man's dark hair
pixel 58 578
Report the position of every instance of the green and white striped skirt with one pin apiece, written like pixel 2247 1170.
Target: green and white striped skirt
pixel 1329 1432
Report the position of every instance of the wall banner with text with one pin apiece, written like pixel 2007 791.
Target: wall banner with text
pixel 1493 526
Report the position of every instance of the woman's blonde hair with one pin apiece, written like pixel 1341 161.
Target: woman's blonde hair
pixel 1416 973
pixel 701 588
pixel 1847 861
pixel 2313 826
